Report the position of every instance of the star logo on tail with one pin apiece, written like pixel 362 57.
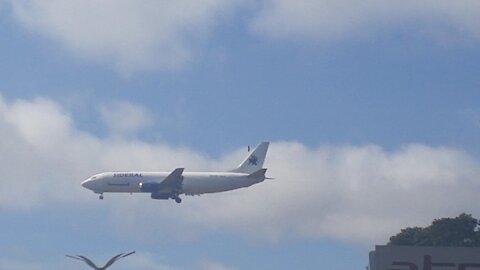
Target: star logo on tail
pixel 253 160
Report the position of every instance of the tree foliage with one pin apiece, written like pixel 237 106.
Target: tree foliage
pixel 462 231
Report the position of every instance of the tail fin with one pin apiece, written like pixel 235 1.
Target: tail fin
pixel 254 161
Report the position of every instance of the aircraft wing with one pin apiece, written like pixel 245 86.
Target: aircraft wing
pixel 173 181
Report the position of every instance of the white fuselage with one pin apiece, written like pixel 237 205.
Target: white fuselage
pixel 194 183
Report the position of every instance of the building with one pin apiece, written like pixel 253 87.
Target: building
pixel 424 258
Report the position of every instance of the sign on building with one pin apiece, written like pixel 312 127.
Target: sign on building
pixel 424 258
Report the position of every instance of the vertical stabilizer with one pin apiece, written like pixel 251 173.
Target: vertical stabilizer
pixel 254 161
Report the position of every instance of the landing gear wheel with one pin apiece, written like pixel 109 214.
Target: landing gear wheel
pixel 101 197
pixel 178 200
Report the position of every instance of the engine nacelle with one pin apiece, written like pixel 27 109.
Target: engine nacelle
pixel 149 187
pixel 161 195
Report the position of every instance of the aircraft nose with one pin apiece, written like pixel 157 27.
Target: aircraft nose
pixel 88 184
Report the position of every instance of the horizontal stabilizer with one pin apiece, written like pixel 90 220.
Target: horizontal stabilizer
pixel 258 174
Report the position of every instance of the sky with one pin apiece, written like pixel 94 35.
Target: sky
pixel 372 109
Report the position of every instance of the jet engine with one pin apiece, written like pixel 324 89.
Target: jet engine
pixel 161 195
pixel 149 187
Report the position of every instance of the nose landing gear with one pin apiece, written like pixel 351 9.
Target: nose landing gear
pixel 101 197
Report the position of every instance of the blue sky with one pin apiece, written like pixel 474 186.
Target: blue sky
pixel 372 110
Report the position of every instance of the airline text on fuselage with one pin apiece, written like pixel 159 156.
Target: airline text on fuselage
pixel 127 175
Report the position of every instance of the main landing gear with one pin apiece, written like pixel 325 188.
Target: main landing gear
pixel 176 198
pixel 101 197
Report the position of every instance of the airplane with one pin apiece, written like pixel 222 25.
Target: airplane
pixel 170 185
pixel 108 264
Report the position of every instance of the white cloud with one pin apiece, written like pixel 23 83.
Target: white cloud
pixel 124 118
pixel 326 20
pixel 137 35
pixel 131 35
pixel 360 194
pixel 33 133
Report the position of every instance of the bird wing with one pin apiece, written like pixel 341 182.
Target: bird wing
pixel 112 260
pixel 130 253
pixel 88 261
pixel 117 257
pixel 74 257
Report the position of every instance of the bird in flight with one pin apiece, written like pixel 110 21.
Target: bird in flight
pixel 108 264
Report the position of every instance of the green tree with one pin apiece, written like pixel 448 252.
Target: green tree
pixel 460 232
